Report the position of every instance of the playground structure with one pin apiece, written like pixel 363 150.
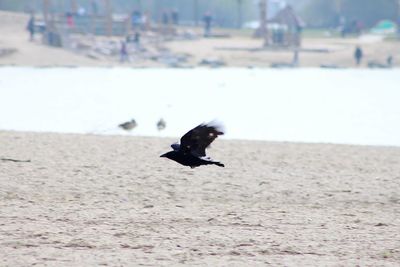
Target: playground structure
pixel 281 31
pixel 58 27
pixel 286 28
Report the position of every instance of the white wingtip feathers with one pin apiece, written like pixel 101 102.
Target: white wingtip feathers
pixel 218 125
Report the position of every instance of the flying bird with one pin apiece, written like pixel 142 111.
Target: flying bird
pixel 129 125
pixel 192 149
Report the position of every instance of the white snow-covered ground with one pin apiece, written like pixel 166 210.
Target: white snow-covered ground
pixel 307 105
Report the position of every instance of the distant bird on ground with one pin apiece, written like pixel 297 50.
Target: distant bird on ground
pixel 192 149
pixel 161 124
pixel 129 125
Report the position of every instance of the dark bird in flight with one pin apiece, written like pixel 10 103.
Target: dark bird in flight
pixel 129 125
pixel 192 149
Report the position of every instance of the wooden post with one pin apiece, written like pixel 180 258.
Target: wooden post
pixel 398 19
pixel 398 10
pixel 263 22
pixel 109 22
pixel 239 13
pixel 196 12
pixel 74 6
pixel 46 12
pixel 339 6
pixel 93 16
pixel 128 25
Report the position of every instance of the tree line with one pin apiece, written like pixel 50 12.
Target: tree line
pixel 226 13
pixel 232 13
pixel 328 13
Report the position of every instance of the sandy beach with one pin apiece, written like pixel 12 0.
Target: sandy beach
pixel 108 200
pixel 87 200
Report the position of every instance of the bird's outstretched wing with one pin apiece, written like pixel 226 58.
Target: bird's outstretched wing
pixel 198 139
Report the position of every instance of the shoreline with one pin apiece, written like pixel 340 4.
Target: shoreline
pixel 176 139
pixel 193 68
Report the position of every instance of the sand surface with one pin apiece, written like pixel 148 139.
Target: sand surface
pixel 86 200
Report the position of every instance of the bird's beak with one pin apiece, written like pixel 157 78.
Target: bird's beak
pixel 163 156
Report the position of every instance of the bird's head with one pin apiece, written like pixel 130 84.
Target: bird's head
pixel 176 146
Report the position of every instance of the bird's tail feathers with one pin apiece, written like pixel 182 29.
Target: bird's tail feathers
pixel 219 164
pixel 210 161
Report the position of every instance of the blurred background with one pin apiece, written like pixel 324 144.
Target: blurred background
pixel 188 33
pixel 291 70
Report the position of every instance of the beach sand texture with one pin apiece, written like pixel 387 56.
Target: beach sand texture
pixel 86 200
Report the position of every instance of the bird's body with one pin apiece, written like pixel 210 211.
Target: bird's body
pixel 161 124
pixel 191 151
pixel 190 160
pixel 129 125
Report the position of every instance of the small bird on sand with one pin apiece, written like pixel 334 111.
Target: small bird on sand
pixel 129 125
pixel 192 149
pixel 161 124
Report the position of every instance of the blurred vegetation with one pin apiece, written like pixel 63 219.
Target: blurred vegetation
pixel 327 13
pixel 232 13
pixel 226 13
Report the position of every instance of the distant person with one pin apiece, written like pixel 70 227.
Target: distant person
pixel 343 31
pixel 342 26
pixel 70 20
pixel 358 55
pixel 207 18
pixel 389 61
pixel 124 57
pixel 136 39
pixel 353 26
pixel 295 61
pixel 280 36
pixel 359 27
pixel 165 18
pixel 175 17
pixel 95 9
pixel 136 19
pixel 398 28
pixel 31 27
pixel 146 21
